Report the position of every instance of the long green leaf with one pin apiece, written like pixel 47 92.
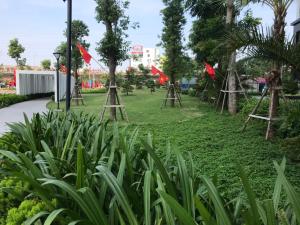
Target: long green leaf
pixel 119 193
pixel 53 215
pixel 169 186
pixel 147 197
pixel 182 215
pixel 292 195
pixel 221 213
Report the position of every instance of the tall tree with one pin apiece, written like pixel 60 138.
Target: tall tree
pixel 113 47
pixel 271 45
pixel 79 32
pixel 279 8
pixel 15 49
pixel 207 30
pixel 46 64
pixel 174 21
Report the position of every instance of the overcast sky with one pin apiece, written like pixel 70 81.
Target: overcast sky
pixel 39 25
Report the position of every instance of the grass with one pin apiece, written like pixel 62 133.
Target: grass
pixel 215 141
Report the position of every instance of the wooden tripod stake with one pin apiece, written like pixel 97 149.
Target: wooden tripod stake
pixel 118 105
pixel 225 91
pixel 177 96
pixel 77 94
pixel 269 118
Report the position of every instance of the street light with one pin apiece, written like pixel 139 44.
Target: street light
pixel 69 52
pixel 57 56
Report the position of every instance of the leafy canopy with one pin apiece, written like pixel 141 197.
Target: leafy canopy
pixel 174 21
pixel 113 47
pixel 15 49
pixel 79 32
pixel 46 64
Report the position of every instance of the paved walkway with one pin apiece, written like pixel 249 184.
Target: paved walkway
pixel 14 113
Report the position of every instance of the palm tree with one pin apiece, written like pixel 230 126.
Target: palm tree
pixel 271 44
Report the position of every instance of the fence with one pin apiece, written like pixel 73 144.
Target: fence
pixel 37 82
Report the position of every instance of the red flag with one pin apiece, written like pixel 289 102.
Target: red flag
pixel 63 68
pixel 15 76
pixel 211 71
pixel 155 71
pixel 84 53
pixel 163 78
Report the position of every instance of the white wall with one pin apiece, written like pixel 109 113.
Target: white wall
pixel 37 82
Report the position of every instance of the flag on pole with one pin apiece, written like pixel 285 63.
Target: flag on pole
pixel 63 68
pixel 163 78
pixel 155 71
pixel 211 71
pixel 84 53
pixel 15 76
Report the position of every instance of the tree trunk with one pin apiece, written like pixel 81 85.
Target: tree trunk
pixel 232 100
pixel 232 96
pixel 76 86
pixel 112 76
pixel 172 90
pixel 275 83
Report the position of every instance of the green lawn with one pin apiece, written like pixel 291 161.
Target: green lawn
pixel 214 141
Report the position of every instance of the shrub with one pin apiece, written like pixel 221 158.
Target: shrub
pixel 26 210
pixel 127 88
pixel 104 175
pixel 192 92
pixel 290 126
pixel 290 86
pixel 10 99
pixel 94 91
pixel 291 147
pixel 12 191
pixel 246 107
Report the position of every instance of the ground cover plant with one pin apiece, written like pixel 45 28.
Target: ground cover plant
pixel 214 141
pixel 82 172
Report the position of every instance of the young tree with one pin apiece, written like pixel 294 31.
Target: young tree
pixel 113 47
pixel 46 64
pixel 79 32
pixel 174 21
pixel 15 49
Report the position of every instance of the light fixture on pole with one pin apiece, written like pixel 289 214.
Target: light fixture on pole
pixel 57 56
pixel 69 55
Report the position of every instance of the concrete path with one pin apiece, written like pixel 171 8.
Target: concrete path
pixel 14 113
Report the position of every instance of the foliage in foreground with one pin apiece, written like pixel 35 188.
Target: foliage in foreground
pixel 102 175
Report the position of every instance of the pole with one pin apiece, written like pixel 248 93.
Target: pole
pixel 57 84
pixel 69 55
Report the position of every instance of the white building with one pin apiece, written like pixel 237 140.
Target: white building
pixel 146 56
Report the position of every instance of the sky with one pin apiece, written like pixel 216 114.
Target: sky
pixel 39 25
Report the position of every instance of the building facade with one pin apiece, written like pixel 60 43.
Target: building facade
pixel 146 56
pixel 296 23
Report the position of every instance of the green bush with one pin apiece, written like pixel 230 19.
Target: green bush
pixel 246 107
pixel 290 126
pixel 10 99
pixel 12 191
pixel 291 147
pixel 26 210
pixel 290 87
pixel 104 175
pixel 192 92
pixel 94 91
pixel 127 87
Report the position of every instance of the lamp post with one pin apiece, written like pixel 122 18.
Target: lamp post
pixel 69 54
pixel 57 56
